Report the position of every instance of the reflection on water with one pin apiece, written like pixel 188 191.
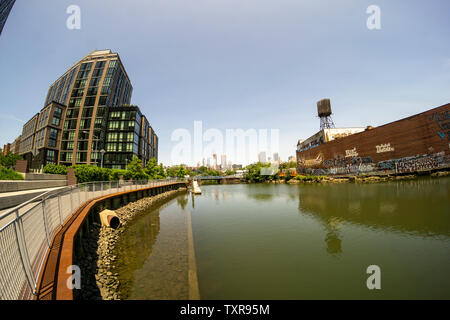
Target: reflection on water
pixel 417 207
pixel 310 241
pixel 334 243
pixel 316 241
pixel 153 254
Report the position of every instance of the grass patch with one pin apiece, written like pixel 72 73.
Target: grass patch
pixel 9 174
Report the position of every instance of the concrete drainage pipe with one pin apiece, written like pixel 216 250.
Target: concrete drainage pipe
pixel 109 218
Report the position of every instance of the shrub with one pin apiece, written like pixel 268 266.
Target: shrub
pixel 116 173
pixel 55 169
pixel 309 178
pixel 88 173
pixel 9 174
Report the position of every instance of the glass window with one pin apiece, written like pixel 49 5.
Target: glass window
pixel 51 156
pixel 90 101
pixel 56 121
pixel 111 147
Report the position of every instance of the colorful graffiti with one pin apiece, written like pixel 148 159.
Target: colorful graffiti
pixel 415 163
pixel 307 163
pixel 419 163
pixel 442 119
pixel 358 165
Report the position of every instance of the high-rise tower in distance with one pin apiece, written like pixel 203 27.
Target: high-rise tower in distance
pixel 5 9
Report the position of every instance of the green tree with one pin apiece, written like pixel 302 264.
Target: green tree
pixel 202 170
pixel 254 172
pixel 230 172
pixel 9 160
pixel 179 172
pixel 136 170
pixel 155 171
pixel 171 172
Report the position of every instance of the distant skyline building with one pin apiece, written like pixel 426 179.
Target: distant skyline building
pixel 87 111
pixel 5 9
pixel 215 161
pixel 223 161
pixel 276 157
pixel 262 157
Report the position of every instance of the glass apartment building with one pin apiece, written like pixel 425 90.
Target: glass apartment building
pixel 128 134
pixel 42 134
pixel 5 9
pixel 92 92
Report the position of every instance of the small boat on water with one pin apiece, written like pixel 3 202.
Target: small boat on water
pixel 196 188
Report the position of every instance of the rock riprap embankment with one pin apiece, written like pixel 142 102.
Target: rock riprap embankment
pixel 99 281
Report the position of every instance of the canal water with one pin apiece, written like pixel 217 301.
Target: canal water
pixel 313 241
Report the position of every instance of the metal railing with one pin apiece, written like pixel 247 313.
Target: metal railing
pixel 26 231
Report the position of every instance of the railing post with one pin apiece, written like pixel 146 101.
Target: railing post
pixel 59 210
pixel 23 252
pixel 71 202
pixel 47 233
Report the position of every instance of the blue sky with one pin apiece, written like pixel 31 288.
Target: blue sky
pixel 232 64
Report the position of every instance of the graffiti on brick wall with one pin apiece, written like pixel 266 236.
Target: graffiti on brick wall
pixel 423 162
pixel 415 163
pixel 335 162
pixel 314 172
pixel 307 163
pixel 358 165
pixel 442 119
pixel 351 153
pixel 384 148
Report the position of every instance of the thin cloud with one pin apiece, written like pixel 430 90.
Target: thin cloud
pixel 447 63
pixel 11 117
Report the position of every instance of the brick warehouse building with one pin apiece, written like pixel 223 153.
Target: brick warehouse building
pixel 420 142
pixel 83 98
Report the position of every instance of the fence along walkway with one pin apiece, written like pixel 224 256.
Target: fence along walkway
pixel 26 231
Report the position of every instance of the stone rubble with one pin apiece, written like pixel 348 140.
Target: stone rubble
pixel 97 261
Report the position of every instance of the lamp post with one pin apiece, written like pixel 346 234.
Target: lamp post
pixel 102 152
pixel 95 149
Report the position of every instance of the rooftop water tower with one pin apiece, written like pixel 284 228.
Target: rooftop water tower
pixel 324 112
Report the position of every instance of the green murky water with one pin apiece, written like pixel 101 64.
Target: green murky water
pixel 297 242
